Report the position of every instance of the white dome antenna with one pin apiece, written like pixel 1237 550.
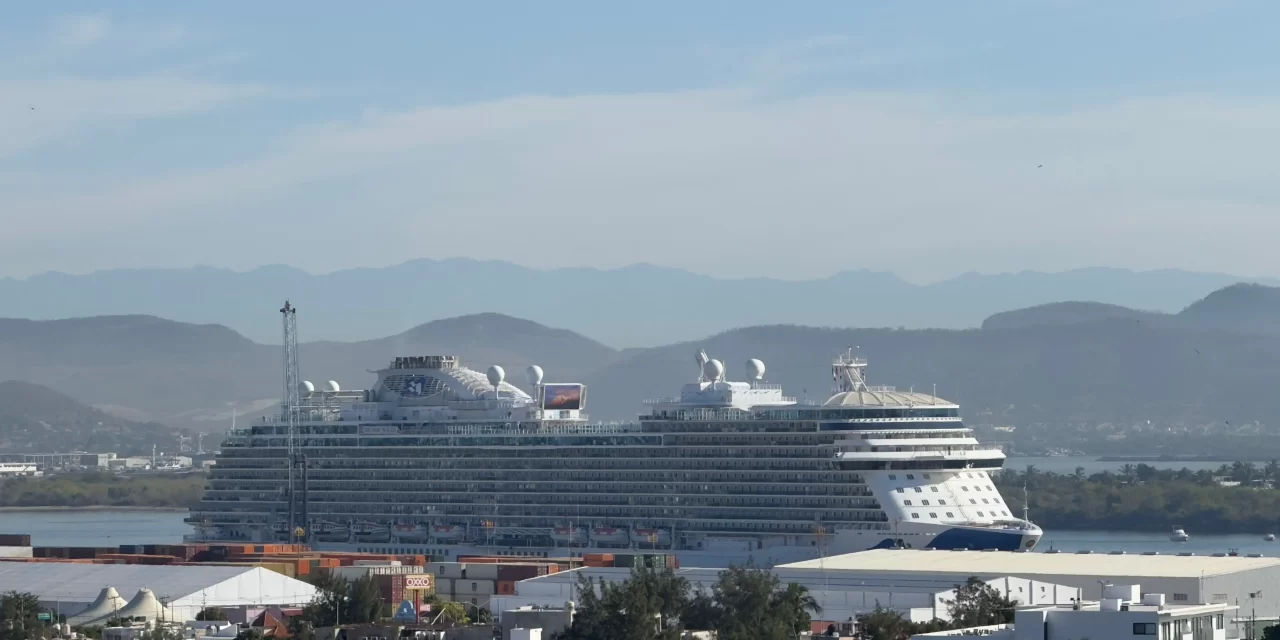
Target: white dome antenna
pixel 496 376
pixel 306 388
pixel 713 370
pixel 534 375
pixel 755 370
pixel 333 386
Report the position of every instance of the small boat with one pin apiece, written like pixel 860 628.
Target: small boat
pixel 448 532
pixel 570 535
pixel 331 531
pixel 651 537
pixel 366 531
pixel 1179 535
pixel 1270 537
pixel 411 532
pixel 609 535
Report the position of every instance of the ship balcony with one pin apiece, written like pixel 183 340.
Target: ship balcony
pixel 906 454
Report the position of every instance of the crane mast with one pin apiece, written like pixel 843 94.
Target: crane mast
pixel 291 406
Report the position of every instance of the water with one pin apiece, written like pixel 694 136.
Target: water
pixel 1092 464
pixel 1129 542
pixel 110 527
pixel 96 527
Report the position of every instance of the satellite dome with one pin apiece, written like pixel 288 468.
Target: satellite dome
pixel 306 388
pixel 496 375
pixel 534 374
pixel 713 370
pixel 333 386
pixel 755 369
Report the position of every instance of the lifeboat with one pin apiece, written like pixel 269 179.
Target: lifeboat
pixel 609 535
pixel 280 527
pixel 371 531
pixel 331 531
pixel 409 532
pixel 569 535
pixel 651 537
pixel 448 532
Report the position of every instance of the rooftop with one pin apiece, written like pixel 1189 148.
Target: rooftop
pixel 68 582
pixel 881 397
pixel 988 563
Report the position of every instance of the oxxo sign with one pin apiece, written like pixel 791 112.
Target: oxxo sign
pixel 418 582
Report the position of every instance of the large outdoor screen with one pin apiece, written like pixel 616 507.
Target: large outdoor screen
pixel 563 396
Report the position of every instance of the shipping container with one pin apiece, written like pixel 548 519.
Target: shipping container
pixel 444 586
pixel 518 572
pixel 15 540
pixel 480 572
pixel 506 587
pixel 627 561
pixel 446 569
pixel 468 587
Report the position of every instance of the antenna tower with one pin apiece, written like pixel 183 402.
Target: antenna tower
pixel 291 400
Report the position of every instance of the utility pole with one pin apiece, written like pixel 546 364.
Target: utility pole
pixel 291 400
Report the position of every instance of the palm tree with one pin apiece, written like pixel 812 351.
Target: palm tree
pixel 453 612
pixel 796 606
pixel 1272 469
pixel 1127 471
pixel 1079 474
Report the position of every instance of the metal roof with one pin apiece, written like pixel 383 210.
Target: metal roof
pixel 73 582
pixel 877 397
pixel 1006 563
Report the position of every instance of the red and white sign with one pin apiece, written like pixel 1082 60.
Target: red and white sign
pixel 418 582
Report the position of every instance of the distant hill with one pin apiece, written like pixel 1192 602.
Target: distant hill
pixel 1060 313
pixel 150 369
pixel 639 305
pixel 36 419
pixel 1242 307
pixel 1070 363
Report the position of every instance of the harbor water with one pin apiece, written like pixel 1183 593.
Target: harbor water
pixel 110 527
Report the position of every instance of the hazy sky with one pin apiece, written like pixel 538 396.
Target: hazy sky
pixel 747 138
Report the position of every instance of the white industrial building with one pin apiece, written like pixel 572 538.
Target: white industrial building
pixel 1252 583
pixel 842 597
pixel 69 589
pixel 1124 612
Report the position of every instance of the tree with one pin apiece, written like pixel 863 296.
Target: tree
pixel 19 616
pixel 1271 633
pixel 754 605
pixel 210 614
pixel 331 594
pixel 979 604
pixel 452 613
pixel 884 624
pixel 648 606
pixel 701 614
pixel 364 604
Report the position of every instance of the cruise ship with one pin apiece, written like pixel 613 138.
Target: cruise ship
pixel 441 459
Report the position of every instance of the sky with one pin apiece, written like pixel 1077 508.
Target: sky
pixel 728 138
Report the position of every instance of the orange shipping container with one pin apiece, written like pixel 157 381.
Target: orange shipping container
pixel 506 587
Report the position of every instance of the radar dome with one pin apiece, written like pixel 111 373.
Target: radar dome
pixel 333 386
pixel 713 370
pixel 755 369
pixel 306 388
pixel 496 375
pixel 534 374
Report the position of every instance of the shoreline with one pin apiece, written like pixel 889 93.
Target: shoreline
pixel 92 508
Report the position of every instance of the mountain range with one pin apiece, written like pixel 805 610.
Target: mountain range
pixel 1064 363
pixel 635 306
pixel 36 419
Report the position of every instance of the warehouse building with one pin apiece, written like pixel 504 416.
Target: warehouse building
pixel 842 597
pixel 182 591
pixel 1252 583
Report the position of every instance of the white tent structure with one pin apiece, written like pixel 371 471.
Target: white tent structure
pixel 144 606
pixel 70 589
pixel 107 603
